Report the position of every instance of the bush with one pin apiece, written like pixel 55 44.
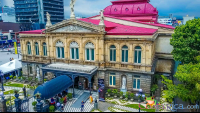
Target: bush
pixel 30 78
pixel 109 91
pixel 154 88
pixel 115 91
pixel 61 100
pixel 24 78
pixel 127 94
pixel 69 95
pixel 14 77
pixel 11 76
pixel 34 103
pixel 121 93
pixel 51 108
pixel 132 95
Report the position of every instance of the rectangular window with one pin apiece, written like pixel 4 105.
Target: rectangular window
pixel 72 52
pixel 135 57
pixel 58 52
pixel 87 54
pixel 126 56
pixel 77 53
pixel 28 50
pixel 111 52
pixel 136 82
pixel 63 52
pixel 123 55
pixel 114 55
pixel 112 80
pixel 92 52
pixel 139 57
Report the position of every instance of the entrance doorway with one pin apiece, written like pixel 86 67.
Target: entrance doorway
pixel 76 82
pixel 86 84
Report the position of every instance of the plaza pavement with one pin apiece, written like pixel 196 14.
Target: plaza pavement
pixel 5 57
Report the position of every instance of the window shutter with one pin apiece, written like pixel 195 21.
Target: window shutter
pixel 138 83
pixel 135 57
pixel 134 83
pixel 58 52
pixel 111 55
pixel 139 57
pixel 114 55
pixel 87 50
pixel 72 52
pixel 123 56
pixel 92 54
pixel 63 52
pixel 126 55
pixel 77 53
pixel 110 80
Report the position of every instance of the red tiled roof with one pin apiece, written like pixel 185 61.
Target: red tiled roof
pixel 33 32
pixel 119 29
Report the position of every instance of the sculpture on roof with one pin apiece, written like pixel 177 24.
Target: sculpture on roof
pixel 101 18
pixel 72 3
pixel 48 20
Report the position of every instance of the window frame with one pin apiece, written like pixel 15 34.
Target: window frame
pixel 75 51
pixel 29 47
pixel 124 49
pixel 90 52
pixel 112 49
pixel 112 75
pixel 61 47
pixel 37 49
pixel 44 47
pixel 136 78
pixel 138 50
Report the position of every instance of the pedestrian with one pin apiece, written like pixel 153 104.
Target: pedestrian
pixel 82 106
pixel 62 106
pixel 91 99
pixel 10 59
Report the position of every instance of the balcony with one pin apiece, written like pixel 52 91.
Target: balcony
pixel 53 11
pixel 27 15
pixel 55 1
pixel 23 2
pixel 26 10
pixel 23 7
pixel 52 3
pixel 52 7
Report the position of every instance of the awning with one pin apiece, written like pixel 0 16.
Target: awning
pixel 11 66
pixel 54 87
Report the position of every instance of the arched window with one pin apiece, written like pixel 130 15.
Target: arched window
pixel 89 50
pixel 74 52
pixel 112 53
pixel 29 48
pixel 124 53
pixel 36 49
pixel 60 50
pixel 44 49
pixel 138 54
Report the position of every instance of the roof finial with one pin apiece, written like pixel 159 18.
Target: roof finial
pixel 48 24
pixel 101 18
pixel 72 16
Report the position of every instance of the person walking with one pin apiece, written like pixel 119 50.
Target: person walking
pixel 82 106
pixel 10 59
pixel 91 99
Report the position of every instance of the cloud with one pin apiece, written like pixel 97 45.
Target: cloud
pixel 165 7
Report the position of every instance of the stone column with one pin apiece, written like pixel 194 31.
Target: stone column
pixel 3 107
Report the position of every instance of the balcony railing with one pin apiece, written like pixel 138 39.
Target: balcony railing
pixel 26 6
pixel 27 2
pixel 53 11
pixel 26 10
pixel 53 3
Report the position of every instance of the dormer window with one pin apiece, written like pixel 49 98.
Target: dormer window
pixel 138 9
pixel 115 9
pixel 126 9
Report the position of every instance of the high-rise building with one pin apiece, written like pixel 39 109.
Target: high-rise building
pixel 8 10
pixel 187 18
pixel 34 11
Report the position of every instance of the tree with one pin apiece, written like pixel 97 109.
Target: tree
pixel 188 90
pixel 186 41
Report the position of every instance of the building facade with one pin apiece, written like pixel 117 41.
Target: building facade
pixel 121 48
pixel 32 13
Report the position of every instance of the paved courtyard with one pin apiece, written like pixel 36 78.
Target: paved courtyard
pixel 5 57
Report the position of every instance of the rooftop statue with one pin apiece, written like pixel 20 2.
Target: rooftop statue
pixel 101 18
pixel 48 20
pixel 72 3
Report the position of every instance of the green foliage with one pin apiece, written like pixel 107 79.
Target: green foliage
pixel 186 42
pixel 16 91
pixel 156 78
pixel 189 76
pixel 127 94
pixel 109 91
pixel 14 85
pixel 30 78
pixel 19 77
pixel 131 95
pixel 115 91
pixel 136 106
pixel 11 76
pixel 121 93
pixel 23 78
pixel 8 92
pixel 36 79
pixel 61 100
pixel 37 95
pixel 154 88
pixel 34 103
pixel 69 95
pixel 14 77
pixel 51 108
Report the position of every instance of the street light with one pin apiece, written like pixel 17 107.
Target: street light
pixel 141 94
pixel 1 73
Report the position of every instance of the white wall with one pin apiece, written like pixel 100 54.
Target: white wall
pixel 185 19
pixel 163 44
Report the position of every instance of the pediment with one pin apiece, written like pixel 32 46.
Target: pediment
pixel 74 25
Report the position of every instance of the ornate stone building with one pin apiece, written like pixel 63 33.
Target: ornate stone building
pixel 128 43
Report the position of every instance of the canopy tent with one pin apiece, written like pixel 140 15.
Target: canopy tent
pixel 54 87
pixel 11 66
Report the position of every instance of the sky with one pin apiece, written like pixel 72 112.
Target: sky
pixel 86 8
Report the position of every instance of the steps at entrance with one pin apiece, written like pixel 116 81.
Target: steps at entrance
pixel 83 97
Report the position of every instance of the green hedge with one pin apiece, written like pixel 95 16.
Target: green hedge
pixel 136 106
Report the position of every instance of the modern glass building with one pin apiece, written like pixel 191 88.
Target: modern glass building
pixel 34 11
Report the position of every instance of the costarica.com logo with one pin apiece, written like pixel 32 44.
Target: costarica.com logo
pixel 153 104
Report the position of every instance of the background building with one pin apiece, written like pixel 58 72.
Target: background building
pixel 31 14
pixel 167 20
pixel 187 18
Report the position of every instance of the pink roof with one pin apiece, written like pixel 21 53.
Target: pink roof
pixel 122 18
pixel 33 32
pixel 119 29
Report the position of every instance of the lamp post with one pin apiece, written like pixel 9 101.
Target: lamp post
pixel 1 73
pixel 141 94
